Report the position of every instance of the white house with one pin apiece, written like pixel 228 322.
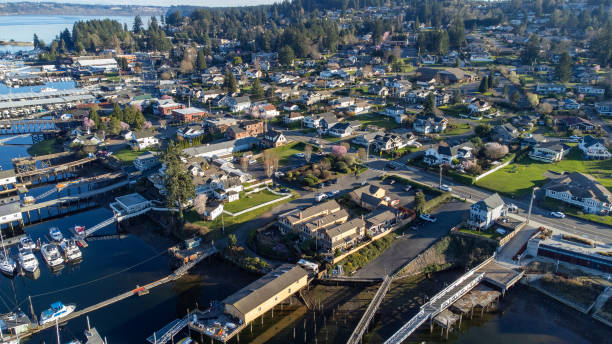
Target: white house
pixel 342 129
pixel 549 152
pixel 479 105
pixel 593 148
pixel 144 139
pixel 429 124
pixel 213 212
pixel 146 161
pixel 240 104
pixel 591 90
pixel 484 212
pixel 581 190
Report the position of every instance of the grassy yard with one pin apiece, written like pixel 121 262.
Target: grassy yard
pixel 517 179
pixel 127 155
pixel 489 234
pixel 49 146
pixel 285 152
pixel 230 222
pixel 332 138
pixel 249 201
pixel 377 120
pixel 460 128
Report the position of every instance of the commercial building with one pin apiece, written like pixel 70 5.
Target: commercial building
pixel 189 114
pixel 257 298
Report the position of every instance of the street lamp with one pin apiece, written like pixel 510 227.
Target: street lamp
pixel 531 203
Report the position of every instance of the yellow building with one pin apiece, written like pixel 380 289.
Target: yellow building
pixel 262 295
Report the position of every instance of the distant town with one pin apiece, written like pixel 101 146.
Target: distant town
pixel 322 147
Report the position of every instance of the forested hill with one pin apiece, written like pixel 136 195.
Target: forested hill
pixel 50 8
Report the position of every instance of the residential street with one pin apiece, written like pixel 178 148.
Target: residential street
pixel 541 216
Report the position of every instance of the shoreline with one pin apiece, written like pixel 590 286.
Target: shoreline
pixel 16 43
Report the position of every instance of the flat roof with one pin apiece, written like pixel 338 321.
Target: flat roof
pixel 189 111
pixel 9 209
pixel 131 199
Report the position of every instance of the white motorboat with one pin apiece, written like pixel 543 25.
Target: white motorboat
pixel 7 264
pixel 71 250
pixel 56 312
pixel 51 255
pixel 27 243
pixel 56 234
pixel 27 260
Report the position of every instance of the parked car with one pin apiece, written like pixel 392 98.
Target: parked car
pixel 445 187
pixel 320 197
pixel 408 188
pixel 299 155
pixel 512 208
pixel 557 214
pixel 428 218
pixel 279 174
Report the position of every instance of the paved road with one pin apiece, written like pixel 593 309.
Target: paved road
pixel 406 248
pixel 580 227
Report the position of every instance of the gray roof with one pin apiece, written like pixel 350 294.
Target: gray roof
pixel 345 227
pixel 9 209
pixel 7 173
pixel 209 148
pixel 580 185
pixel 132 199
pixel 490 202
pixel 260 291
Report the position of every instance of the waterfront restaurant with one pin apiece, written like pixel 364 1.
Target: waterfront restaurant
pixel 257 298
pixel 129 204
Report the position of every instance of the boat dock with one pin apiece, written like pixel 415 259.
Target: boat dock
pixel 138 291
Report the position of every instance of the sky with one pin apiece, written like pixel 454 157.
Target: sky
pixel 210 3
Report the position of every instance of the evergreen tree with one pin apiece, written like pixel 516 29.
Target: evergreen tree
pixel 229 82
pixel 257 90
pixel 532 50
pixel 178 181
pixel 114 126
pixel 492 82
pixel 484 85
pixel 430 103
pixel 137 28
pixel 94 116
pixel 286 55
pixel 564 67
pixel 117 112
pixel 201 60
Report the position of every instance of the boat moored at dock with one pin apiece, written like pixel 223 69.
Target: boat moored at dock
pixel 7 264
pixel 27 243
pixel 57 311
pixel 56 234
pixel 27 260
pixel 71 250
pixel 51 255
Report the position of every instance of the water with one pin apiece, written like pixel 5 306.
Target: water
pixel 23 27
pixel 59 85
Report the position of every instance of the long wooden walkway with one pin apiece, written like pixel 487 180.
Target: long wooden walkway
pixel 54 169
pixel 368 315
pixel 178 273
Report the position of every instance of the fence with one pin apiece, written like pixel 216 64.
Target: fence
pixel 493 170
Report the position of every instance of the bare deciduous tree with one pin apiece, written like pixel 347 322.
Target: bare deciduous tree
pixel 199 204
pixel 495 150
pixel 362 154
pixel 307 152
pixel 244 163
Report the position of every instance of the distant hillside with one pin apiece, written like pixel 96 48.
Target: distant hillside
pixel 51 8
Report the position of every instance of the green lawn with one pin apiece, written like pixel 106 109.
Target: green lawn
pixel 519 178
pixel 249 201
pixel 49 146
pixel 127 155
pixel 460 128
pixel 230 222
pixel 489 234
pixel 377 120
pixel 332 138
pixel 285 152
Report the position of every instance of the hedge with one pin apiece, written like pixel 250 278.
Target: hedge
pixel 436 201
pixel 460 178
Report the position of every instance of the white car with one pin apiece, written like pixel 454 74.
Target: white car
pixel 428 218
pixel 557 214
pixel 445 187
pixel 320 197
pixel 299 155
pixel 279 174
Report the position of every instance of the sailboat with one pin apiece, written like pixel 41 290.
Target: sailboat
pixel 7 264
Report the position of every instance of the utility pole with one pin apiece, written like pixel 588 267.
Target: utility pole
pixel 531 203
pixel 440 175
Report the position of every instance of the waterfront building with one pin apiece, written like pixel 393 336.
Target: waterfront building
pixel 7 179
pixel 10 213
pixel 257 298
pixel 129 204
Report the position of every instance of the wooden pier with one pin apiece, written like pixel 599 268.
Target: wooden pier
pixel 63 170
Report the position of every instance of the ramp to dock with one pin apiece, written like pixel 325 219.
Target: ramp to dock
pixel 368 315
pixel 168 332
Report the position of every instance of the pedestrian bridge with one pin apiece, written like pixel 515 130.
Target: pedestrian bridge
pixel 489 270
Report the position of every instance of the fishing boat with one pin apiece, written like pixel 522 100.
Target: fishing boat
pixel 71 250
pixel 27 260
pixel 27 243
pixel 57 311
pixel 51 255
pixel 7 264
pixel 56 234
